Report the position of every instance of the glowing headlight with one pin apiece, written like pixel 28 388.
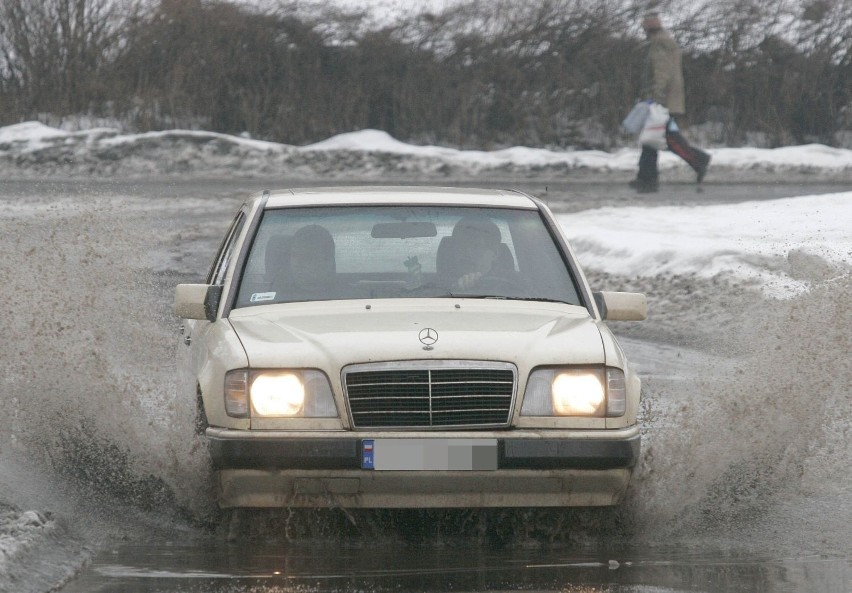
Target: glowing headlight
pixel 575 392
pixel 279 394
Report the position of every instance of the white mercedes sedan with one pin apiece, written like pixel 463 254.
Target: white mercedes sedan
pixel 408 347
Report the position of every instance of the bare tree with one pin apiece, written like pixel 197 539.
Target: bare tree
pixel 484 73
pixel 53 51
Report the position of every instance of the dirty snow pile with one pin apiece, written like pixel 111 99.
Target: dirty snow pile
pixel 782 246
pixel 31 149
pixel 17 529
pixel 36 552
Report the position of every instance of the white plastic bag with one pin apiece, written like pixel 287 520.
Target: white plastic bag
pixel 653 133
pixel 635 120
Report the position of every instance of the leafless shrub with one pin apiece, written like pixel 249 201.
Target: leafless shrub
pixel 479 74
pixel 53 53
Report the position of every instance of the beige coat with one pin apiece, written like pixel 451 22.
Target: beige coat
pixel 662 79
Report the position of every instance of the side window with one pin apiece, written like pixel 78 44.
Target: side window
pixel 226 250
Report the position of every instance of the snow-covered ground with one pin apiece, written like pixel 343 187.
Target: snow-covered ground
pixel 785 247
pixel 782 245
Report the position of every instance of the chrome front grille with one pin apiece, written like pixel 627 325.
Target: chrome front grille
pixel 432 394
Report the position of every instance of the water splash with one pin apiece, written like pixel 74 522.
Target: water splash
pixel 87 357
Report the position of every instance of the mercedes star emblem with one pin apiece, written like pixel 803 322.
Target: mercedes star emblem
pixel 428 336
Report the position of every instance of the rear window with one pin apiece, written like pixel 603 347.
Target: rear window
pixel 381 252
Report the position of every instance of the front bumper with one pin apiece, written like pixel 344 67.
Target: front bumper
pixel 311 469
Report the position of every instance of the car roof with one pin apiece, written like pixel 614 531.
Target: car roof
pixel 391 195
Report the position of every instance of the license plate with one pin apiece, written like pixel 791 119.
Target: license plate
pixel 429 454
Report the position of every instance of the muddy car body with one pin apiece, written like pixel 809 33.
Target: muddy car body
pixel 408 347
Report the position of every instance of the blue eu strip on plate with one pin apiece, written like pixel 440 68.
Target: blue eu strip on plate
pixel 367 459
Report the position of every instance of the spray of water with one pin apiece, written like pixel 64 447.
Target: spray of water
pixel 88 354
pixel 748 445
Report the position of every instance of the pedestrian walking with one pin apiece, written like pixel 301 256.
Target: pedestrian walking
pixel 662 81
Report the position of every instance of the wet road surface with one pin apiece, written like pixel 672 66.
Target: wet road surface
pixel 217 568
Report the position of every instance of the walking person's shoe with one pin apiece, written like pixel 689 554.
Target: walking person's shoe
pixel 702 161
pixel 644 187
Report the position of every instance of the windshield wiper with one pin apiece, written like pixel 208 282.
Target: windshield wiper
pixel 495 297
pixel 539 299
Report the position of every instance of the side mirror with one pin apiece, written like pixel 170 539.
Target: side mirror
pixel 622 306
pixel 197 301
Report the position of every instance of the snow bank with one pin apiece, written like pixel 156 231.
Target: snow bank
pixel 32 149
pixel 36 551
pixel 783 244
pixel 17 529
pixel 31 133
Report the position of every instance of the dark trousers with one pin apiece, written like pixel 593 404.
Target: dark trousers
pixel 648 171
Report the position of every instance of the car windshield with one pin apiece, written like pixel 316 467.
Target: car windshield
pixel 381 252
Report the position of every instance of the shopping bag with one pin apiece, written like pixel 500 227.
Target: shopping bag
pixel 653 134
pixel 635 120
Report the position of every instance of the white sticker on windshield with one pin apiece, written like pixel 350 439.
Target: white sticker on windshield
pixel 259 297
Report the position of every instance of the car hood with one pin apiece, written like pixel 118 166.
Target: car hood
pixel 332 334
